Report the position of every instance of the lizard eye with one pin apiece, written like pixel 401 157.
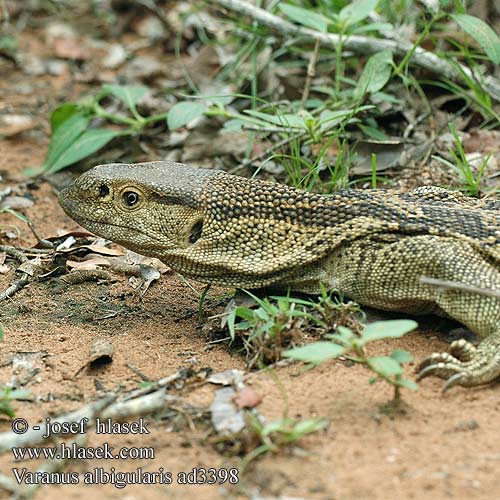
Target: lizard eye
pixel 130 198
pixel 195 233
pixel 103 191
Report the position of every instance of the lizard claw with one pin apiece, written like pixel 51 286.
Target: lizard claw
pixel 466 365
pixel 452 381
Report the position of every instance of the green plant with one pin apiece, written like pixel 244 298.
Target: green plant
pixel 461 165
pixel 279 433
pixel 482 33
pixel 8 45
pixel 73 135
pixel 346 343
pixel 278 322
pixel 15 213
pixel 330 310
pixel 269 328
pixel 7 395
pixel 347 21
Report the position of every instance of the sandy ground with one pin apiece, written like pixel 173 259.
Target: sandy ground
pixel 442 447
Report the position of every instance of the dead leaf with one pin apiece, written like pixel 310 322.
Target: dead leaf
pixel 56 67
pixel 70 48
pixel 32 65
pixel 16 202
pixel 15 124
pixel 66 244
pixel 148 274
pixel 104 250
pixel 88 265
pixel 26 365
pixel 201 145
pixel 101 352
pixel 150 27
pixel 145 68
pixel 227 377
pixel 115 57
pixel 99 249
pixel 484 141
pixel 388 155
pixel 29 267
pixel 226 418
pixel 247 398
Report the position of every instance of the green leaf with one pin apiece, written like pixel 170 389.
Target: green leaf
pixel 329 119
pixel 315 353
pixel 309 425
pixel 375 75
pixel 278 425
pixel 234 124
pixel 306 17
pixel 402 356
pixel 409 384
pixel 356 11
pixel 240 312
pixel 373 133
pixel 457 4
pixel 287 120
pixel 482 33
pixel 64 136
pixel 84 145
pixel 20 394
pixel 8 45
pixel 15 213
pixel 6 408
pixel 61 114
pixel 130 95
pixel 2 333
pixel 387 329
pixel 343 335
pixel 385 365
pixel 245 313
pixel 183 113
pixel 374 27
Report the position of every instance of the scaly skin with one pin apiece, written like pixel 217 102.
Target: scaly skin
pixel 374 246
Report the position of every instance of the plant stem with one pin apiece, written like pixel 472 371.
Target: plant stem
pixel 311 73
pixel 102 113
pixel 418 41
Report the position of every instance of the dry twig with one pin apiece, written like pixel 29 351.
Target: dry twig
pixel 23 280
pixel 461 287
pixel 311 73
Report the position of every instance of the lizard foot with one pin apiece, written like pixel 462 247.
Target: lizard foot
pixel 464 365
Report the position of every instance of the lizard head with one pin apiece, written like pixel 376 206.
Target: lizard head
pixel 147 207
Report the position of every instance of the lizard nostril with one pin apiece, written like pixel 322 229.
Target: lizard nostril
pixel 195 233
pixel 103 190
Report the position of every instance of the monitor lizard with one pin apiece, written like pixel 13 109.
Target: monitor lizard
pixel 371 245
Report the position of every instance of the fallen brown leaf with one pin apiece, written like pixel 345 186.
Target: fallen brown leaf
pixel 15 124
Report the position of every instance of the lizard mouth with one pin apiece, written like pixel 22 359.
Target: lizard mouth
pixel 130 231
pixel 100 227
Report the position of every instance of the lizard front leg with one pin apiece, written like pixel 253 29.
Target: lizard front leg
pixel 391 281
pixel 465 364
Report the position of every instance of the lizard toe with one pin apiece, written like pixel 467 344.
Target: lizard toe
pixel 462 350
pixel 441 369
pixel 435 359
pixel 476 367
